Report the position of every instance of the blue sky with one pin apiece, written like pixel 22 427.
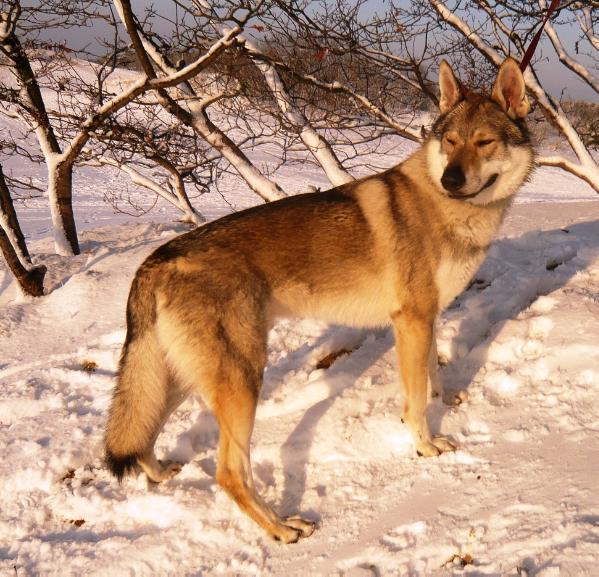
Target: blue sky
pixel 556 78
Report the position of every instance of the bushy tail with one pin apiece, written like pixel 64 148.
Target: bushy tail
pixel 140 395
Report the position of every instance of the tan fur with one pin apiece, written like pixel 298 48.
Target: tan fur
pixel 509 90
pixel 449 88
pixel 394 248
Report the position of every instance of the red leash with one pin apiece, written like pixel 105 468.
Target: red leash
pixel 533 45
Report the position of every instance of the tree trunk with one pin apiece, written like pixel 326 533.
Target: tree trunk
pixel 59 174
pixel 12 222
pixel 191 215
pixel 30 279
pixel 60 188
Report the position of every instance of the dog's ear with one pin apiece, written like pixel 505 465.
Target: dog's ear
pixel 509 90
pixel 449 87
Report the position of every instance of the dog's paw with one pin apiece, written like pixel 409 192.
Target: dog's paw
pixel 168 470
pixel 306 527
pixel 444 445
pixel 291 529
pixel 453 398
pixel 286 534
pixel 434 447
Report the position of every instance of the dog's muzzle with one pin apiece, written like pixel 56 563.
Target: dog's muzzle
pixel 455 194
pixel 453 178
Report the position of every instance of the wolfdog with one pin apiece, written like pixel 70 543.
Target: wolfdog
pixel 390 249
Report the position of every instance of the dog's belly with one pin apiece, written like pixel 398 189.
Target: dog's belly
pixel 359 306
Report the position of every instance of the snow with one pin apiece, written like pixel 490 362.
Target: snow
pixel 518 498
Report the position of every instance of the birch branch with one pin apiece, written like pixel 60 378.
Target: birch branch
pixel 565 58
pixel 320 149
pixel 148 183
pixel 196 117
pixel 336 86
pixel 583 172
pixel 144 84
pixel 586 24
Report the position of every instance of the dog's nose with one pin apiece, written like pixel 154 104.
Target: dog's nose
pixel 453 178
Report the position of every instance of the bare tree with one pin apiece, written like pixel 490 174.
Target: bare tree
pixel 156 154
pixel 371 63
pixel 14 249
pixel 385 62
pixel 60 158
pixel 192 109
pixel 30 100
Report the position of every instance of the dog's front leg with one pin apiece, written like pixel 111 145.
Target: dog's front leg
pixel 434 385
pixel 413 337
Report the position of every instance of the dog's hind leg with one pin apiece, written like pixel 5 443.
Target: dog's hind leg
pixel 235 414
pixel 159 471
pixel 219 350
pixel 144 398
pixel 242 336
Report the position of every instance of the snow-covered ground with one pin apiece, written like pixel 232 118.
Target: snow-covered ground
pixel 519 497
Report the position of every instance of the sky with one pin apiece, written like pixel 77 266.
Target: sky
pixel 557 79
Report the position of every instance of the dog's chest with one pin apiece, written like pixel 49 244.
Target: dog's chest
pixel 454 274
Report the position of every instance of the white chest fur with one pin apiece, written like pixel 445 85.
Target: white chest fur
pixel 453 275
pixel 470 231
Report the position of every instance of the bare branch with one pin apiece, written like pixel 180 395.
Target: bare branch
pixel 565 58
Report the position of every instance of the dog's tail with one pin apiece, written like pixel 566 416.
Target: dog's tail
pixel 140 395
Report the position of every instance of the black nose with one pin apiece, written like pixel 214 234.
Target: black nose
pixel 453 178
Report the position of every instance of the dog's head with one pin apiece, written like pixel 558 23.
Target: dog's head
pixel 479 149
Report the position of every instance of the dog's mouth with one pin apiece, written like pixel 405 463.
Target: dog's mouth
pixel 490 182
